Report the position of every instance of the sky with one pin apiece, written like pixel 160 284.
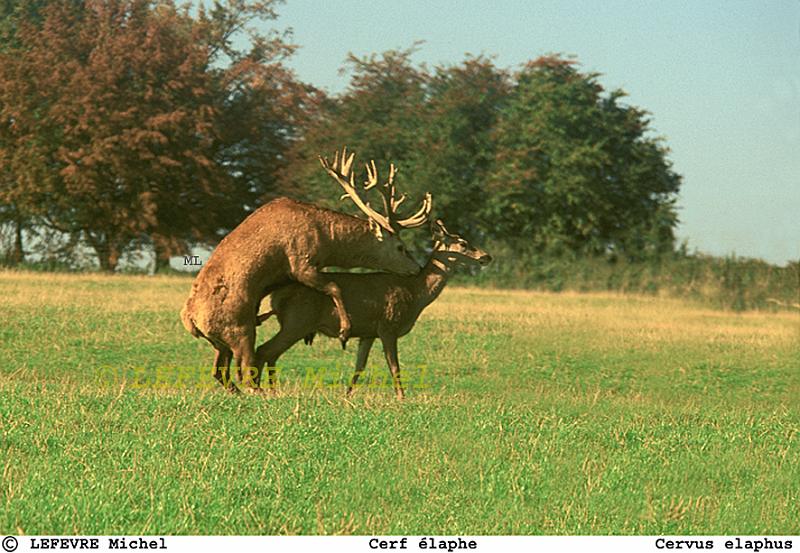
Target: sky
pixel 720 79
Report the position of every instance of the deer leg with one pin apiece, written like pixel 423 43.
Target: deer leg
pixel 364 345
pixel 310 277
pixel 245 355
pixel 390 351
pixel 222 366
pixel 270 351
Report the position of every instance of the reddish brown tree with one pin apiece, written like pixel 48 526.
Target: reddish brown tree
pixel 126 121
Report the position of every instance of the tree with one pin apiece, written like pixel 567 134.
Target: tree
pixel 125 120
pixel 577 170
pixel 456 151
pixel 543 159
pixel 13 219
pixel 396 112
pixel 379 116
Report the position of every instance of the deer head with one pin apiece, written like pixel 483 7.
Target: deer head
pixel 388 252
pixel 454 248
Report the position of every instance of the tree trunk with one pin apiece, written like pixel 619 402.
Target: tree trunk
pixel 18 254
pixel 112 259
pixel 107 255
pixel 162 256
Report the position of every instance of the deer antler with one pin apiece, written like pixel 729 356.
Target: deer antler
pixel 341 171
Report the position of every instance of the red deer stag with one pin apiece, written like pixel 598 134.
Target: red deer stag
pixel 287 240
pixel 381 306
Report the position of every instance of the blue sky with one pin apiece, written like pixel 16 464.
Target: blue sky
pixel 721 80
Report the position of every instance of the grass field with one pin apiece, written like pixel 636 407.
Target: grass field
pixel 536 413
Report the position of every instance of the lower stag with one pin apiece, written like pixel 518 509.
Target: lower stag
pixel 381 305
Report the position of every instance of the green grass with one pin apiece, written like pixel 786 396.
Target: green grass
pixel 542 414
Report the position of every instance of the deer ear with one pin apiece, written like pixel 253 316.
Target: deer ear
pixel 376 230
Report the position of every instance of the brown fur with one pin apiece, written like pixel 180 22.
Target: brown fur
pixel 381 306
pixel 283 241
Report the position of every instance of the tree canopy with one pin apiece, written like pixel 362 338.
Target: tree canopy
pixel 576 169
pixel 129 122
pixel 141 123
pixel 543 158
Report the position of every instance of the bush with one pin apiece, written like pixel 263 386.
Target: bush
pixel 724 282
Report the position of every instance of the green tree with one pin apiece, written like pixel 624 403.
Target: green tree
pixel 543 159
pixel 577 170
pixel 455 155
pixel 380 116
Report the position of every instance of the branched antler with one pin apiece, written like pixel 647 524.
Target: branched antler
pixel 341 170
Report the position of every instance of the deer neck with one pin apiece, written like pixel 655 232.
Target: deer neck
pixel 349 238
pixel 434 277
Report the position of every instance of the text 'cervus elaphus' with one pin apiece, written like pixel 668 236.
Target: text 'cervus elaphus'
pixel 287 240
pixel 381 306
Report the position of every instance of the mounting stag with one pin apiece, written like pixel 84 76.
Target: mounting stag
pixel 381 306
pixel 287 240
